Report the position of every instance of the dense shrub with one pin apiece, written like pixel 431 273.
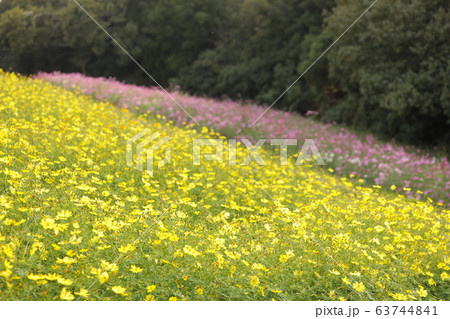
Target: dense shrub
pixel 392 69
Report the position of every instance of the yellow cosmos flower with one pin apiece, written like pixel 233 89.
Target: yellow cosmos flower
pixel 66 260
pixel 276 291
pixel 191 251
pixel 83 293
pixel 48 223
pixel 285 257
pixel 111 267
pixel 257 266
pixel 103 277
pixel 232 254
pixel 359 286
pixel 127 248
pixel 254 281
pixel 398 296
pixel 32 276
pixel 151 288
pixel 135 269
pixel 63 281
pixel 421 292
pixel 119 290
pixel 66 294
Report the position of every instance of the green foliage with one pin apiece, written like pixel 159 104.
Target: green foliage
pixel 257 56
pixel 164 36
pixel 389 74
pixel 392 69
pixel 28 35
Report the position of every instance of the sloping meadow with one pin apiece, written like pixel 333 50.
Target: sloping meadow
pixel 403 169
pixel 77 223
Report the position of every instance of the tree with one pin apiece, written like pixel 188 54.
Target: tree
pixel 392 69
pixel 259 51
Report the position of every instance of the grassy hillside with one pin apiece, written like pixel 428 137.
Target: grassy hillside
pixel 405 170
pixel 77 223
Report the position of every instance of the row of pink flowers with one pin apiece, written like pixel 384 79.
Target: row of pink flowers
pixel 406 169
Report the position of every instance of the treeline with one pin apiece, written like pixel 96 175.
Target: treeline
pixel 389 74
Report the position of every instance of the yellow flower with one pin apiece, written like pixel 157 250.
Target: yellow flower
pixel 66 294
pixel 359 286
pixel 276 291
pixel 261 290
pixel 66 282
pixel 254 281
pixel 232 254
pixel 173 299
pixel 52 277
pixel 151 288
pixel 103 277
pixel 135 269
pixel 83 293
pixel 111 267
pixel 149 298
pixel 66 260
pixel 64 214
pixel 257 266
pixel 178 254
pixel 32 276
pixel 48 223
pixel 398 296
pixel 127 248
pixel 421 292
pixel 190 251
pixel 346 281
pixel 119 290
pixel 200 291
pixel 285 257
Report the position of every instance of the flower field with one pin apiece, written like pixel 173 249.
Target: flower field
pixel 403 169
pixel 77 224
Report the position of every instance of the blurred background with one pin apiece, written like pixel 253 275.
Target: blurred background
pixel 389 75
